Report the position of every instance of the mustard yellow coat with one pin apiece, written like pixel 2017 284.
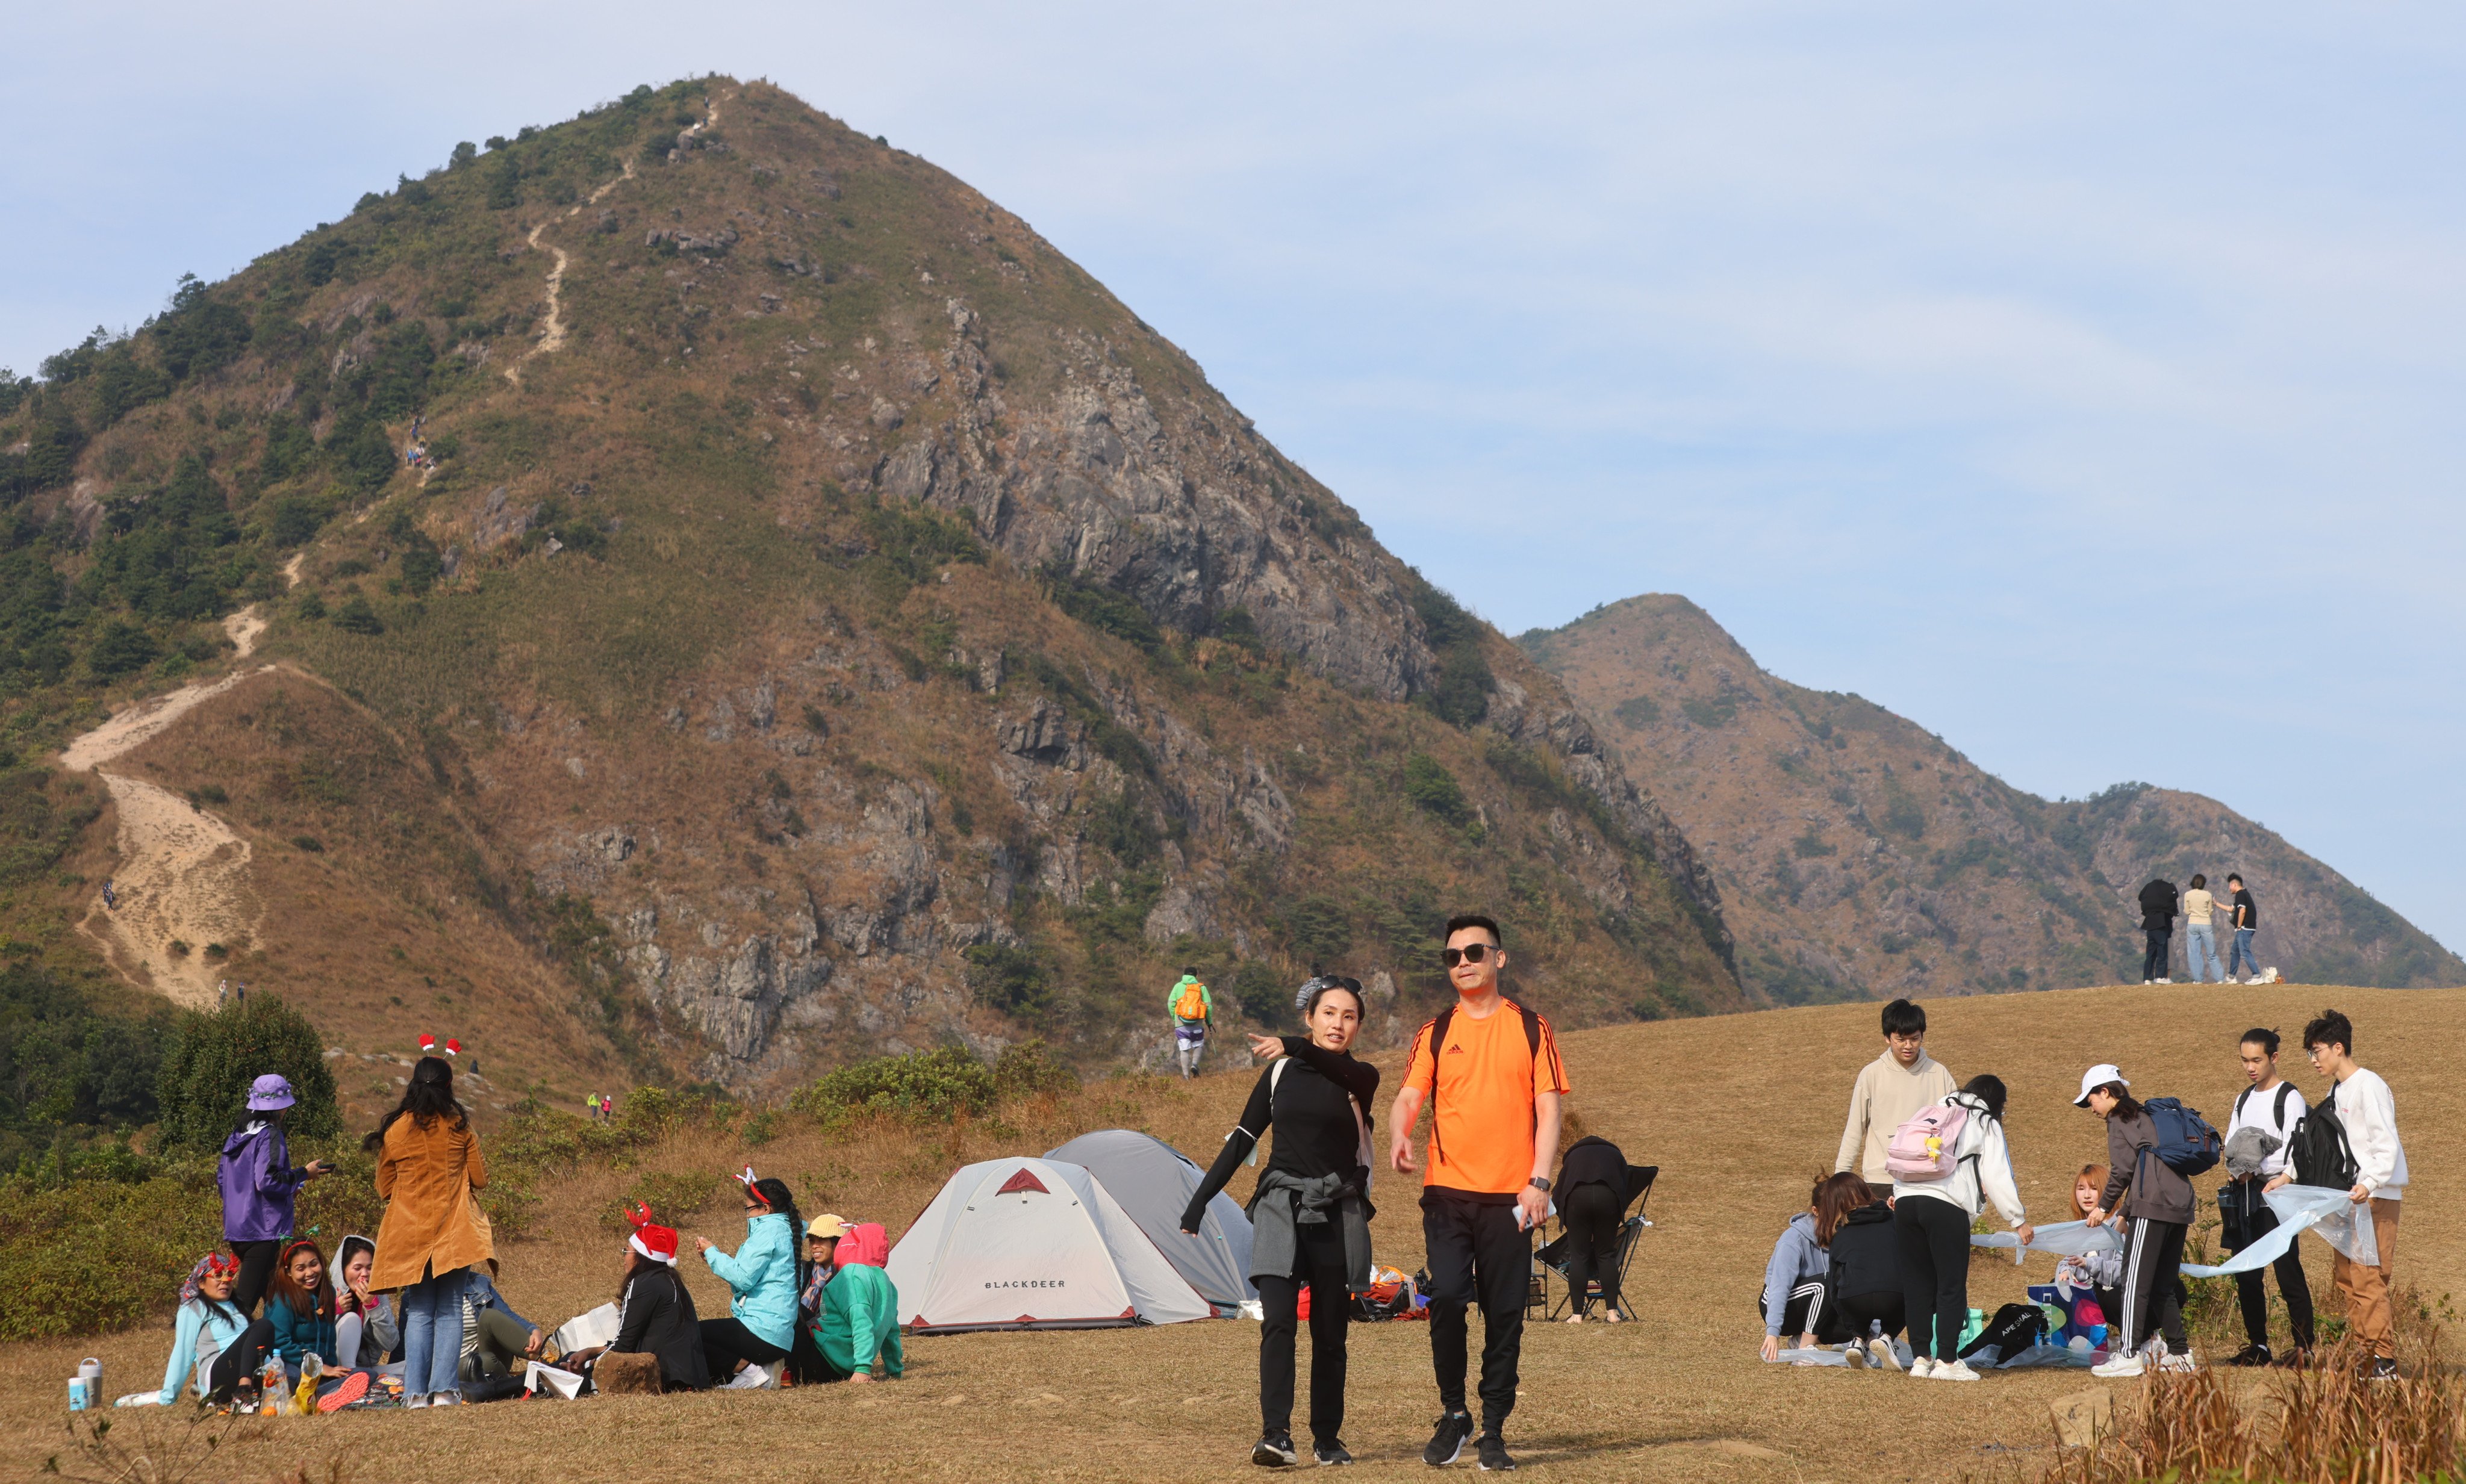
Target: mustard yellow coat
pixel 432 1225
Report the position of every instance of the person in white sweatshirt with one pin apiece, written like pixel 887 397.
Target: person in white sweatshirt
pixel 2368 1110
pixel 1890 1089
pixel 1933 1202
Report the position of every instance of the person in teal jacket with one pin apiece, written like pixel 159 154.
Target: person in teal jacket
pixel 215 1349
pixel 300 1309
pixel 748 1348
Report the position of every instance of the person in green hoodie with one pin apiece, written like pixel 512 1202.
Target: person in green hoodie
pixel 856 1315
pixel 1192 1010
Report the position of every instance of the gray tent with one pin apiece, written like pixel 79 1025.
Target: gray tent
pixel 1153 1182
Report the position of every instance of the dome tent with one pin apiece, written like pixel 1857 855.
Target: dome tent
pixel 1033 1244
pixel 1153 1182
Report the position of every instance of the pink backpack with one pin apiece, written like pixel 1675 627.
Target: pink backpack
pixel 1923 1148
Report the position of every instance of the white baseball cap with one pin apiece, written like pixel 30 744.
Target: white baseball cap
pixel 2099 1076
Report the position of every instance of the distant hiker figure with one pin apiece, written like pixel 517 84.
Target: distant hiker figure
pixel 222 994
pixel 1191 1009
pixel 2244 915
pixel 110 897
pixel 2159 900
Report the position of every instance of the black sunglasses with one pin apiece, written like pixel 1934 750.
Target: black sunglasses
pixel 1469 953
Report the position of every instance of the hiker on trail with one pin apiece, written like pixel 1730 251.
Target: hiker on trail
pixel 1193 1009
pixel 1947 1162
pixel 1488 1069
pixel 216 1350
pixel 222 994
pixel 366 1330
pixel 745 1349
pixel 856 1313
pixel 2258 1135
pixel 2163 1204
pixel 1593 1193
pixel 1310 1214
pixel 1834 1275
pixel 1897 1084
pixel 300 1309
pixel 2242 915
pixel 110 897
pixel 428 1166
pixel 261 1186
pixel 658 1336
pixel 2159 900
pixel 2201 934
pixel 2359 1107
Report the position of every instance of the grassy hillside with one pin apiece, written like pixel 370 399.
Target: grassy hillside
pixel 1680 1396
pixel 1860 855
pixel 824 621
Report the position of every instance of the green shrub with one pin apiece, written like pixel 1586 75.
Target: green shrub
pixel 356 616
pixel 668 1196
pixel 121 647
pixel 214 1056
pixel 1029 1068
pixel 1010 980
pixel 86 1257
pixel 1434 791
pixel 922 1087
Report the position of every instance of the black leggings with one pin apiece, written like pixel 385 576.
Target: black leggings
pixel 1318 1262
pixel 1934 1273
pixel 1590 1212
pixel 239 1361
pixel 2151 1254
pixel 2292 1285
pixel 255 1272
pixel 726 1341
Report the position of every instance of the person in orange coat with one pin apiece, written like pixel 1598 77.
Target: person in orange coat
pixel 428 1164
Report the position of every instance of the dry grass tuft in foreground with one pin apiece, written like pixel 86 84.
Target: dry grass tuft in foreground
pixel 2323 1425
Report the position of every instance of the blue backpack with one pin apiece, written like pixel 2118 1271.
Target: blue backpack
pixel 2186 1144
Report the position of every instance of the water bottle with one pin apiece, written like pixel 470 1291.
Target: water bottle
pixel 77 1394
pixel 89 1382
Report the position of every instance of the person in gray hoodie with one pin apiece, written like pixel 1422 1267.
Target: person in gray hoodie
pixel 2162 1203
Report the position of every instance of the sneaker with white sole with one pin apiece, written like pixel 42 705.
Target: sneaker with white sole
pixel 2183 1365
pixel 1858 1355
pixel 1448 1442
pixel 1274 1451
pixel 750 1379
pixel 1958 1370
pixel 2119 1367
pixel 1921 1369
pixel 2165 981
pixel 1881 1349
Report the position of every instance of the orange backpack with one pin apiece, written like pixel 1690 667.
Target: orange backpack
pixel 1192 1002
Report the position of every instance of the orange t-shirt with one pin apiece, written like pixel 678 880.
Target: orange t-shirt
pixel 1481 1136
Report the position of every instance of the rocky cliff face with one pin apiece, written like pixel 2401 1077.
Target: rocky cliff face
pixel 1861 857
pixel 854 629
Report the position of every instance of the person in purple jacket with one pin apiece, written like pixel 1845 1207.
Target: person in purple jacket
pixel 259 1185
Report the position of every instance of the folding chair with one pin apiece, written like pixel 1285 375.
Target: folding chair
pixel 1553 1256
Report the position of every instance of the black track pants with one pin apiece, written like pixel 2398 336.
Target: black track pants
pixel 1476 1251
pixel 2152 1252
pixel 1319 1264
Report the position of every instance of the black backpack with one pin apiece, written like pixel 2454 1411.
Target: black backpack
pixel 2318 1151
pixel 1439 1045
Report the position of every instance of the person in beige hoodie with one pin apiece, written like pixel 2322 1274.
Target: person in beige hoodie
pixel 2201 934
pixel 1891 1089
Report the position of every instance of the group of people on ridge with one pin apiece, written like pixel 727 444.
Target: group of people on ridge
pixel 1884 1244
pixel 2199 907
pixel 417 1308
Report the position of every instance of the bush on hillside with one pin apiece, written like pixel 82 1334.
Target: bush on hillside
pixel 932 1086
pixel 62 1064
pixel 213 1058
pixel 1434 791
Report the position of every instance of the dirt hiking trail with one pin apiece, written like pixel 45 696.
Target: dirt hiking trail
pixel 183 881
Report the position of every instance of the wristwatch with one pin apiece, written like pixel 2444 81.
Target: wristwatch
pixel 1539 1182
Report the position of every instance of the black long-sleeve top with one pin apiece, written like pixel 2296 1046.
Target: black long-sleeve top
pixel 658 1315
pixel 1311 1109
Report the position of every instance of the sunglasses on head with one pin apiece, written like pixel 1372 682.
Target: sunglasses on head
pixel 1469 953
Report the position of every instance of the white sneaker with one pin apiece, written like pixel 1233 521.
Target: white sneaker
pixel 2148 981
pixel 1921 1369
pixel 1858 1355
pixel 1958 1370
pixel 2254 980
pixel 1881 1349
pixel 413 1404
pixel 750 1379
pixel 2165 981
pixel 2119 1367
pixel 2183 1365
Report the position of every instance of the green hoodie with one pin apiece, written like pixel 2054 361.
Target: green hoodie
pixel 1206 1002
pixel 858 1320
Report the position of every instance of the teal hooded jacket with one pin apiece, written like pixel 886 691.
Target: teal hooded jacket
pixel 762 1277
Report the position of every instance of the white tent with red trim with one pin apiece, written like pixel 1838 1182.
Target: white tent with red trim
pixel 1033 1244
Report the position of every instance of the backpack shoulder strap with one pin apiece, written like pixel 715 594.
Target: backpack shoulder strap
pixel 1532 1028
pixel 2245 1096
pixel 2283 1088
pixel 1438 1024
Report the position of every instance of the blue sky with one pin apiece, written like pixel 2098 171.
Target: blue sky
pixel 2082 383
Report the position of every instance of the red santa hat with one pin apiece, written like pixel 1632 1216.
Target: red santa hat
pixel 656 1241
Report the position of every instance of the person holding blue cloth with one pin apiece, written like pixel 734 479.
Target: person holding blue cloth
pixel 749 1348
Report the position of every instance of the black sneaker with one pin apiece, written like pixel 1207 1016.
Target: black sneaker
pixel 1330 1454
pixel 1447 1445
pixel 1492 1450
pixel 2252 1355
pixel 2382 1369
pixel 1274 1451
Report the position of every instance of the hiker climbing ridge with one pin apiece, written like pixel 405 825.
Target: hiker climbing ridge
pixel 553 330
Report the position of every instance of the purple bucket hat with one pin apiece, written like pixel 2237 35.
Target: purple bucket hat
pixel 268 1093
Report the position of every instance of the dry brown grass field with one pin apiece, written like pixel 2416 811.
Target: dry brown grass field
pixel 1739 1112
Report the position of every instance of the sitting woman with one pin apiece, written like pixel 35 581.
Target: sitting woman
pixel 2097 1274
pixel 366 1330
pixel 216 1350
pixel 745 1350
pixel 655 1312
pixel 1831 1274
pixel 300 1308
pixel 497 1343
pixel 856 1316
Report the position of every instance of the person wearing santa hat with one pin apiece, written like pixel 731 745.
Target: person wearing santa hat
pixel 655 1310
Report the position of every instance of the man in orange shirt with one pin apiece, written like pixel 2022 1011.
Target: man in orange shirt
pixel 1488 1069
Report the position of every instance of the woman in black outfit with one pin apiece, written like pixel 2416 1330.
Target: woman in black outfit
pixel 1592 1205
pixel 1310 1217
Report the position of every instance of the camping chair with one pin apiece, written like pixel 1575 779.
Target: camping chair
pixel 1553 1256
